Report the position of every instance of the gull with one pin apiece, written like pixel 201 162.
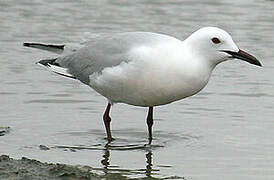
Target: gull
pixel 146 69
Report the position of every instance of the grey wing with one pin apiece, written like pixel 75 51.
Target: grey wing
pixel 102 52
pixel 88 60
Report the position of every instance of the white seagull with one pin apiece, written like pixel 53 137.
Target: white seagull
pixel 144 68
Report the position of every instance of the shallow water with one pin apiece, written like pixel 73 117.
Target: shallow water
pixel 224 132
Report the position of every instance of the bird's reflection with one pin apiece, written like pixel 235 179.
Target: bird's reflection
pixel 107 168
pixel 105 160
pixel 149 163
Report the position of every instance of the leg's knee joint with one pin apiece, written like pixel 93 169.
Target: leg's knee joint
pixel 106 118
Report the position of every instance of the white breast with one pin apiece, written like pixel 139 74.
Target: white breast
pixel 157 75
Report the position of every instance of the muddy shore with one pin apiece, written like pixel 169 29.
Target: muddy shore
pixel 31 169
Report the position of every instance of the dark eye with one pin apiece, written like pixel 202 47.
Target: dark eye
pixel 216 40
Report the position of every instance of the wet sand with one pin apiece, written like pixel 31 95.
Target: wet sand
pixel 32 169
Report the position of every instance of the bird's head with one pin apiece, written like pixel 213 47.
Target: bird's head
pixel 216 45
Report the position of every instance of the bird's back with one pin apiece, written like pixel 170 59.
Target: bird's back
pixel 108 51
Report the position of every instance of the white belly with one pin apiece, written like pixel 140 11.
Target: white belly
pixel 146 83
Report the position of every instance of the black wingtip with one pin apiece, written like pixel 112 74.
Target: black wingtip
pixel 47 62
pixel 26 44
pixel 55 46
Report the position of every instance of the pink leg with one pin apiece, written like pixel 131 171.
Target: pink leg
pixel 107 120
pixel 150 123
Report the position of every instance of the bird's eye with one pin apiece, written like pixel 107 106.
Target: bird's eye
pixel 216 40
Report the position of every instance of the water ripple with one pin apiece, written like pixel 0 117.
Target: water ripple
pixel 58 101
pixel 248 94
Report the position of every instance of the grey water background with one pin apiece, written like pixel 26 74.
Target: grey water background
pixel 224 132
